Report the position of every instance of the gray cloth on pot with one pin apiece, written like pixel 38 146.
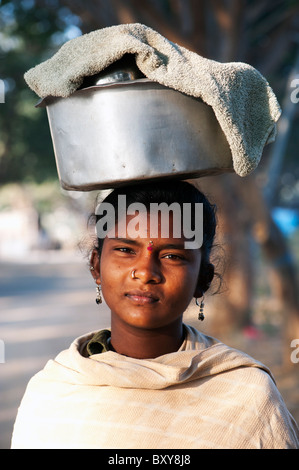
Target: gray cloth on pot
pixel 242 100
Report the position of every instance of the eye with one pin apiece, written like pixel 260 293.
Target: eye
pixel 173 256
pixel 124 249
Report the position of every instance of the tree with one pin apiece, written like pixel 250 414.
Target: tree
pixel 28 35
pixel 260 32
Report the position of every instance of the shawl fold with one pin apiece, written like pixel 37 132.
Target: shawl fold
pixel 206 395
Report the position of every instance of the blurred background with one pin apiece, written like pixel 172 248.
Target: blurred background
pixel 46 292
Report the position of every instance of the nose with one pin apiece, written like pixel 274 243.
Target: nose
pixel 147 270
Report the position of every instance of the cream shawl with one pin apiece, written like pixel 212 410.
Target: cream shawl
pixel 204 396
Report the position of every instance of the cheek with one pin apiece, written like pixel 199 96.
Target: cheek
pixel 109 275
pixel 110 278
pixel 182 286
pixel 111 290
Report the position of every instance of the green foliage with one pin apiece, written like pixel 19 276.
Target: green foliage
pixel 28 35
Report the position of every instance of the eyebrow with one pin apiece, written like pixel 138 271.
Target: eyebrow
pixel 132 241
pixel 129 241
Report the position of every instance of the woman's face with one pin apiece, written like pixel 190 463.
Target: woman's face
pixel 164 281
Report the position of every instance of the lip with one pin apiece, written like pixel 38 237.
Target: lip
pixel 142 297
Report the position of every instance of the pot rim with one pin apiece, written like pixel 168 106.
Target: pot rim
pixel 48 100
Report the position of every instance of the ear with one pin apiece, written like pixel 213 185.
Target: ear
pixel 205 278
pixel 95 266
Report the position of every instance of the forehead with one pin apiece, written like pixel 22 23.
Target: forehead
pixel 155 222
pixel 148 225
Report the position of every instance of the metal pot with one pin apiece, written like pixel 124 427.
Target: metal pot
pixel 125 132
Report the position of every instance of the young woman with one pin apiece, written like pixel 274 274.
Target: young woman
pixel 150 381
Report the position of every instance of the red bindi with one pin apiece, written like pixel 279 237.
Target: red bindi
pixel 150 246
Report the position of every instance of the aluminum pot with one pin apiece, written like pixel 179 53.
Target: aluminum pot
pixel 111 134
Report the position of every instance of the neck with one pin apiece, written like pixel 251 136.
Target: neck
pixel 146 343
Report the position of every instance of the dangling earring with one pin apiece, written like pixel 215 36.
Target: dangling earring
pixel 201 305
pixel 99 295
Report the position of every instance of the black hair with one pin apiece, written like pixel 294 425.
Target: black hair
pixel 170 192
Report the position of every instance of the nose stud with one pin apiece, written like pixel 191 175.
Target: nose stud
pixel 133 274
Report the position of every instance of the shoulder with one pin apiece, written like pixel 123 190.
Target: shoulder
pixel 259 406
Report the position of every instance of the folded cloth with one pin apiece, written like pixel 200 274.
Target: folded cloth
pixel 242 100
